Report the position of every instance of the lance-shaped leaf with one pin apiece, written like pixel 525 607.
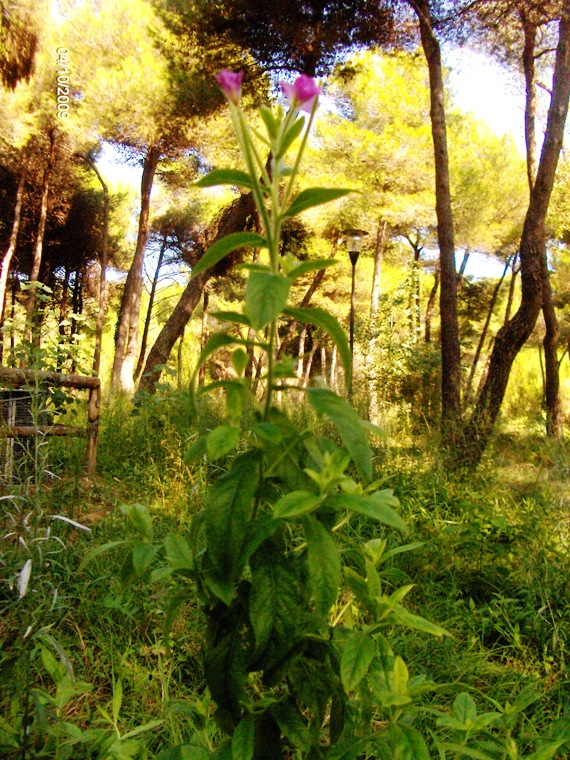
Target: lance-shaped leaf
pixel 295 504
pixel 314 196
pixel 225 177
pixel 227 244
pixel 328 323
pixel 324 564
pixel 290 136
pixel 231 316
pixel 375 506
pixel 310 266
pixel 228 510
pixel 357 654
pixel 265 297
pixel 347 422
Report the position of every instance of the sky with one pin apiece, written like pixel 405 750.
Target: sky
pixel 483 87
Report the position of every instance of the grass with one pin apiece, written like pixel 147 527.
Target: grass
pixel 493 569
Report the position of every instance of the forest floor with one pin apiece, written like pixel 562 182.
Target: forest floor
pixel 87 669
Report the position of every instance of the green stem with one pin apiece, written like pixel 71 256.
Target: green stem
pixel 300 152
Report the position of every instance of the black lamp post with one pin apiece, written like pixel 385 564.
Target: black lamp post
pixel 354 240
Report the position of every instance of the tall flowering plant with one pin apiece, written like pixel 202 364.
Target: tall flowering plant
pixel 296 655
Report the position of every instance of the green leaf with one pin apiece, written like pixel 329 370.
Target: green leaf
pixel 225 177
pixel 314 196
pixel 235 317
pixel 290 136
pixel 464 708
pixel 139 517
pixel 347 423
pixel 240 360
pixel 408 743
pixel 222 440
pixel 228 510
pixel 100 550
pixel 371 506
pixel 141 729
pixel 400 676
pixel 328 323
pixel 143 557
pixel 265 297
pixel 546 752
pixel 178 553
pixel 418 623
pixel 464 751
pixel 225 245
pixel 324 564
pixel 295 504
pixel 304 267
pixel 291 723
pixel 243 739
pixel 278 603
pixel 357 654
pixel 270 121
pixel 117 699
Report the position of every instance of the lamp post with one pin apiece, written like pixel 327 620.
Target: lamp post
pixel 354 240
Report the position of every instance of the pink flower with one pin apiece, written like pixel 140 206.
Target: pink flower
pixel 230 82
pixel 302 93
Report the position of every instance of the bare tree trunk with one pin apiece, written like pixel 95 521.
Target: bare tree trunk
pixel 334 359
pixel 375 294
pixel 151 297
pixel 309 364
pixel 554 427
pixel 514 334
pixel 128 326
pixel 237 217
pixel 552 334
pixel 301 354
pixel 179 359
pixel 39 244
pixel 94 404
pixel 514 273
pixel 7 260
pixel 204 335
pixel 450 350
pixel 530 31
pixel 430 304
pixel 483 336
pixel 163 345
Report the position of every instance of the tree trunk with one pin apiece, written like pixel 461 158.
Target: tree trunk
pixel 7 260
pixel 39 244
pixel 430 304
pixel 204 334
pixel 530 96
pixel 552 334
pixel 512 336
pixel 375 294
pixel 170 333
pixel 179 359
pixel 450 350
pixel 128 326
pixel 152 294
pixel 514 273
pixel 554 427
pixel 237 217
pixel 483 336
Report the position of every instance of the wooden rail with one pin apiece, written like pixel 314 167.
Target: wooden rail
pixel 36 379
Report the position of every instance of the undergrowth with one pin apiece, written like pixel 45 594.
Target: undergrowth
pixel 83 655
